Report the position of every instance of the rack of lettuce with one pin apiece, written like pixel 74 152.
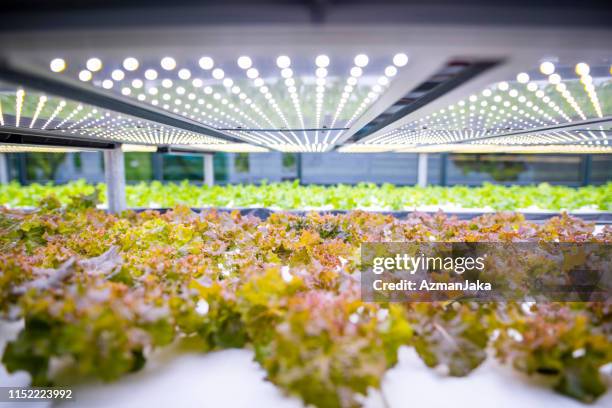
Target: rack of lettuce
pixel 331 204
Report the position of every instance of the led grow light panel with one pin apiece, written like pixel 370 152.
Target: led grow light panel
pixel 369 148
pixel 18 148
pixel 298 140
pixel 270 100
pixel 25 109
pixel 492 148
pixel 227 147
pixel 554 94
pixel 595 136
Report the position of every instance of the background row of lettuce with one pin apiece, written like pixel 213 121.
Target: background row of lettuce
pixel 294 196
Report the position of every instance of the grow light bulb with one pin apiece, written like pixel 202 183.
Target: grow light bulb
pixel 390 71
pixel 206 63
pixel 361 60
pixel 252 73
pixel 286 73
pixel 130 64
pixel 547 68
pixel 94 64
pixel 356 72
pixel 150 74
pixel 522 78
pixel 322 61
pixel 245 62
pixel 107 84
pixel 218 73
pixel 283 61
pixel 184 74
pixel 85 75
pixel 57 65
pixel 554 79
pixel 117 75
pixel 582 68
pixel 503 86
pixel 168 63
pixel 400 59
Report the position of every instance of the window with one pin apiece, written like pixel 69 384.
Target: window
pixel 241 162
pixel 138 166
pixel 289 162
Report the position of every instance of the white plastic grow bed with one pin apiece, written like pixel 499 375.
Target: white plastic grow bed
pixel 230 379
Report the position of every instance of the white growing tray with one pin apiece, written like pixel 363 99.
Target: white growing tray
pixel 231 379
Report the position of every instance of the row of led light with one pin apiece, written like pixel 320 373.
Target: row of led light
pixel 498 106
pixel 473 121
pixel 489 148
pixel 548 68
pixel 589 136
pixel 481 147
pixel 106 126
pixel 556 137
pixel 34 149
pixel 207 63
pixel 360 61
pixel 582 69
pixel 90 121
pixel 322 62
pixel 399 60
pixel 522 78
pixel 283 62
pixel 131 64
pixel 169 64
pixel 20 96
pixel 552 138
pixel 434 136
pixel 135 131
pixel 1 113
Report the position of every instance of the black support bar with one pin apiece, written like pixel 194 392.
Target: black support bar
pixel 34 139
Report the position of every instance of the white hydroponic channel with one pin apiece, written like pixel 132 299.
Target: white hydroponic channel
pixel 230 379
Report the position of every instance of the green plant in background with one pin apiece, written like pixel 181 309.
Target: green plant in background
pixel 291 195
pixel 499 170
pixel 138 166
pixel 44 165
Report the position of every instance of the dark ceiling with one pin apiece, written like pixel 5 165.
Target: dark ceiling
pixel 43 14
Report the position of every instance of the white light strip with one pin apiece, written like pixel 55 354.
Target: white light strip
pixel 41 103
pixel 19 96
pixel 360 61
pixel 504 108
pixel 58 109
pixel 217 100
